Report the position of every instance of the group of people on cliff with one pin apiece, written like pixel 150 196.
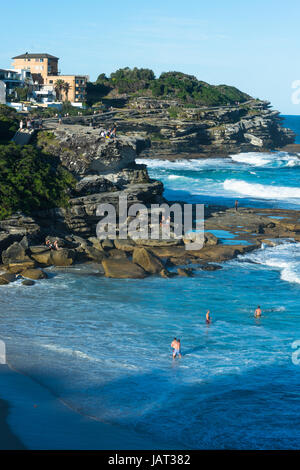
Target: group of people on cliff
pixel 30 124
pixel 110 133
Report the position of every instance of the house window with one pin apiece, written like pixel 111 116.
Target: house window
pixel 50 81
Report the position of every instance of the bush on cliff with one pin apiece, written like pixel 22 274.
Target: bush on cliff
pixel 131 80
pixel 9 123
pixel 31 180
pixel 190 90
pixel 177 85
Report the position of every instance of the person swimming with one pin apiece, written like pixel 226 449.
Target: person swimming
pixel 176 345
pixel 257 312
pixel 208 317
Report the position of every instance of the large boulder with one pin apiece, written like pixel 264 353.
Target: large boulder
pixel 7 277
pixel 150 263
pixel 222 252
pixel 125 245
pixel 15 252
pixel 122 269
pixel 117 254
pixel 107 244
pixel 43 257
pixel 38 249
pixel 95 254
pixel 21 266
pixel 170 251
pixel 6 239
pixel 34 274
pixel 96 243
pixel 210 239
pixel 28 282
pixel 62 257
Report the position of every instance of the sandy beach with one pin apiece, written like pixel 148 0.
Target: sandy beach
pixel 32 418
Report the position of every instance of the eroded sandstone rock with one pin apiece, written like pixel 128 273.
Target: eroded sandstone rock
pixel 122 269
pixel 150 263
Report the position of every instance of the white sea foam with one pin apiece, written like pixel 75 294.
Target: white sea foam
pixel 269 160
pixel 186 165
pixel 174 177
pixel 284 257
pixel 261 191
pixel 82 355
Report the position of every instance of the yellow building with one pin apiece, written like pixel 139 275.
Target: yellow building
pixel 38 64
pixel 77 86
pixel 44 70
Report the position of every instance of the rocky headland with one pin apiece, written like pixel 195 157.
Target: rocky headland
pixel 105 169
pixel 177 131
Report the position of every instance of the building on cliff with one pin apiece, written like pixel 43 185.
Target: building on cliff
pixel 45 72
pixel 11 80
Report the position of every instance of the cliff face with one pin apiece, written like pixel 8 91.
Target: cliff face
pixel 219 131
pixel 178 131
pixel 105 169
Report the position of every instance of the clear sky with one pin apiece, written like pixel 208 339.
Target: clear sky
pixel 251 44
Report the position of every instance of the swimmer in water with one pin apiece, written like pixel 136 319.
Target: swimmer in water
pixel 257 313
pixel 176 347
pixel 208 319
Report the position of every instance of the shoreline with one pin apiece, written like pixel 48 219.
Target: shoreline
pixel 38 420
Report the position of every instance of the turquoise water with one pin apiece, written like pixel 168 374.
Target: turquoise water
pixel 256 179
pixel 104 345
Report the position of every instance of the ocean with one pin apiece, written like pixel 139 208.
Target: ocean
pixel 103 345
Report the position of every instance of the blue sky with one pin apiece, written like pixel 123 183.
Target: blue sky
pixel 253 45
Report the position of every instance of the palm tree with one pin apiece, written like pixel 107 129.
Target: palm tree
pixel 66 88
pixel 58 87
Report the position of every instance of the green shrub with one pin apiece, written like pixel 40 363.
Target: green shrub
pixel 174 112
pixel 9 123
pixel 189 90
pixel 31 180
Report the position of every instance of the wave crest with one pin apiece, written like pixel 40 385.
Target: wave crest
pixel 261 191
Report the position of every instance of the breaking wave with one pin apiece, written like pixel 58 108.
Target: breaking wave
pixel 268 160
pixel 261 191
pixel 284 257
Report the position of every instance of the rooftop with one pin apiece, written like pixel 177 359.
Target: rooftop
pixel 41 55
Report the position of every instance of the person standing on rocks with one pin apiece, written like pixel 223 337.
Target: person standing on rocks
pixel 236 205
